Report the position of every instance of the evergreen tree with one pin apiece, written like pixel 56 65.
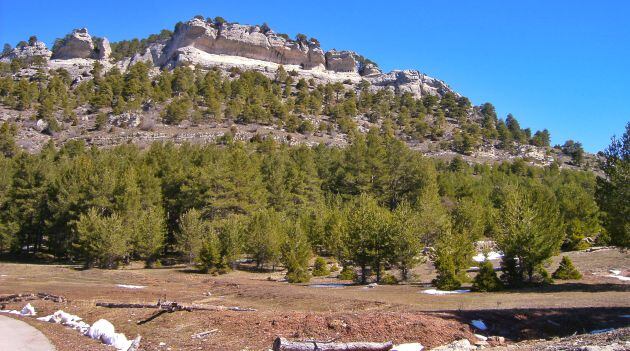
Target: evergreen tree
pixel 193 230
pixel 486 279
pixel 296 253
pixel 566 270
pixel 613 191
pixel 320 268
pixel 530 231
pixel 369 238
pixel 102 239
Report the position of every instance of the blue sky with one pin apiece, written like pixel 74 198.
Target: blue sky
pixel 561 65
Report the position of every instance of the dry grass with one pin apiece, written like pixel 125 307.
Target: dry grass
pixel 399 313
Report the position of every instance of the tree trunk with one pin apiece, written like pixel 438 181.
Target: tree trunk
pixel 281 344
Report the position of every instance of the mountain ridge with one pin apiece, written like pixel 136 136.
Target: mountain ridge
pixel 454 127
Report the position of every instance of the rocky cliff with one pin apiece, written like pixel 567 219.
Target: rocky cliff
pixel 208 44
pixel 80 44
pixel 37 49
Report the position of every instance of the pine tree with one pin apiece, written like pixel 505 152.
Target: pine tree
pixel 529 231
pixel 486 279
pixel 613 191
pixel 193 230
pixel 320 268
pixel 102 239
pixel 566 270
pixel 296 253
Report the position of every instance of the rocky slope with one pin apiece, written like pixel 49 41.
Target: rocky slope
pixel 207 44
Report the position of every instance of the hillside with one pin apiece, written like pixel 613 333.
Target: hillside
pixel 209 78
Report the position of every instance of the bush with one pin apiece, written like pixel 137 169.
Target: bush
pixel 566 270
pixel 320 269
pixel 334 268
pixel 487 279
pixel 347 273
pixel 298 276
pixel 389 279
pixel 447 280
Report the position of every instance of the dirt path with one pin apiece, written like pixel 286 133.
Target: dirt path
pixel 19 336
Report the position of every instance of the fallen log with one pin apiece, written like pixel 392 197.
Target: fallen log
pixel 171 306
pixel 282 344
pixel 30 296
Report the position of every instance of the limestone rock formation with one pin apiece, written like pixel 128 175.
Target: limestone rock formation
pixel 341 61
pixel 27 52
pixel 79 44
pixel 241 40
pixel 411 81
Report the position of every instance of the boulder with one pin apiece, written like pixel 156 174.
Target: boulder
pixel 459 345
pixel 240 40
pixel 27 52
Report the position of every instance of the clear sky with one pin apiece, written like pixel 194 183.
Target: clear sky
pixel 562 64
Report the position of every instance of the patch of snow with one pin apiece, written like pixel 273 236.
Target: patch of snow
pixel 104 331
pixel 601 331
pixel 491 256
pixel 130 286
pixel 27 310
pixel 479 324
pixel 408 347
pixel 444 292
pixel 617 274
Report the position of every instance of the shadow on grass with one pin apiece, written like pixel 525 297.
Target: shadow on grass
pixel 572 287
pixel 545 323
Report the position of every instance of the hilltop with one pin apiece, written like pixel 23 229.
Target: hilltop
pixel 293 91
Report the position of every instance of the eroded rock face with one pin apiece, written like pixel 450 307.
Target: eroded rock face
pixel 79 44
pixel 241 40
pixel 27 52
pixel 411 81
pixel 341 61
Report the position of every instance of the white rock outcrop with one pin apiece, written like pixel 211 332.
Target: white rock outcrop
pixel 241 40
pixel 27 52
pixel 411 81
pixel 80 44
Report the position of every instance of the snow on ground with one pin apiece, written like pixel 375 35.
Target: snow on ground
pixel 101 330
pixel 27 310
pixel 408 347
pixel 601 331
pixel 615 273
pixel 479 324
pixel 443 292
pixel 491 256
pixel 130 286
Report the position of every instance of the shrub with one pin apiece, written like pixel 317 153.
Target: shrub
pixel 389 279
pixel 347 273
pixel 320 269
pixel 487 279
pixel 298 276
pixel 447 280
pixel 566 270
pixel 334 268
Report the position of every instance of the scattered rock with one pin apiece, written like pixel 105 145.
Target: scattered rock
pixel 459 345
